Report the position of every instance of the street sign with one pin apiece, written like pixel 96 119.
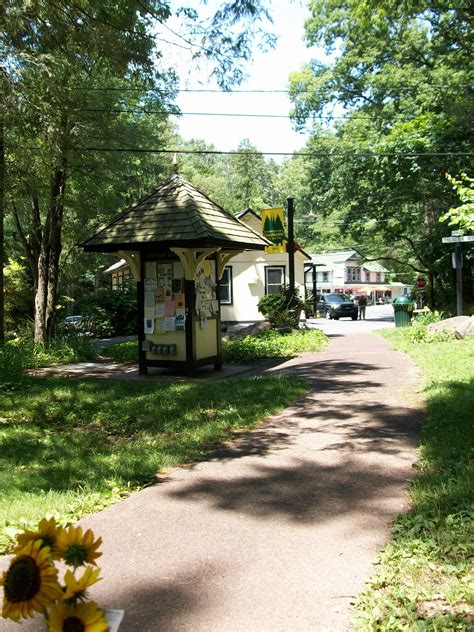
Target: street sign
pixel 457 240
pixel 420 282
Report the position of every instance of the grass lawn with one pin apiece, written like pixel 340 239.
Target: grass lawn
pixel 70 447
pixel 424 576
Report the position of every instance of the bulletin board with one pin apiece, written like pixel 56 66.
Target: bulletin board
pixel 207 305
pixel 164 304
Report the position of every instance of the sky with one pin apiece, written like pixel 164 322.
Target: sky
pixel 267 71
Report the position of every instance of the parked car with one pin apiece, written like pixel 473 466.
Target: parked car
pixel 75 322
pixel 336 305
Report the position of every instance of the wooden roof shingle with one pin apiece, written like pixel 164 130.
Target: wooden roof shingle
pixel 175 214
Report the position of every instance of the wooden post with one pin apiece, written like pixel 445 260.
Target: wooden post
pixel 291 247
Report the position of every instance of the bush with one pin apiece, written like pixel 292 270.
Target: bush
pixel 282 309
pixel 271 344
pixel 418 330
pixel 122 351
pixel 110 312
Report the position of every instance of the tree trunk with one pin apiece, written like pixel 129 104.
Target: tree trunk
pixel 2 236
pixel 48 261
pixel 431 282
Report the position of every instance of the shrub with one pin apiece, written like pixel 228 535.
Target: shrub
pixel 282 309
pixel 271 344
pixel 418 330
pixel 122 351
pixel 110 312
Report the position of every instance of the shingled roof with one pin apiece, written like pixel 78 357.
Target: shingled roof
pixel 174 214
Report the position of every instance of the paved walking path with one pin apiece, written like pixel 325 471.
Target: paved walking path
pixel 278 530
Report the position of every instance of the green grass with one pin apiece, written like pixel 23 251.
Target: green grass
pixel 18 355
pixel 267 344
pixel 422 579
pixel 70 447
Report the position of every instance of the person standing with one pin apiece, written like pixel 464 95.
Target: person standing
pixel 362 303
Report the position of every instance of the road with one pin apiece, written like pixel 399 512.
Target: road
pixel 377 317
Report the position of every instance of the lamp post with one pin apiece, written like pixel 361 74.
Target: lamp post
pixel 291 246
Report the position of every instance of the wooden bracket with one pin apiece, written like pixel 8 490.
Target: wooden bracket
pixel 223 259
pixel 133 260
pixel 191 258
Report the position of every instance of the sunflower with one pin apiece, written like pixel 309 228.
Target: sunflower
pixel 85 617
pixel 30 583
pixel 76 548
pixel 76 588
pixel 47 533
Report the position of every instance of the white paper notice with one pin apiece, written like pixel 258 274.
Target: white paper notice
pixel 150 284
pixel 150 298
pixel 178 270
pixel 170 323
pixel 150 270
pixel 160 326
pixel 215 306
pixel 159 310
pixel 149 312
pixel 149 325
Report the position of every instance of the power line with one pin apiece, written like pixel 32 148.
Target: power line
pixel 252 91
pixel 296 153
pixel 321 117
pixel 321 154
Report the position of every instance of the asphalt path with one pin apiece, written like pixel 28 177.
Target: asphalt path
pixel 279 529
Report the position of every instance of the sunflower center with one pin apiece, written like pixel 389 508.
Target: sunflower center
pixel 73 624
pixel 23 580
pixel 75 555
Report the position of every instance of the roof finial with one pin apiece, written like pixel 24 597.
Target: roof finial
pixel 175 164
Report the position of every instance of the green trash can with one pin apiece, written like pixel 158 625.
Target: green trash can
pixel 403 311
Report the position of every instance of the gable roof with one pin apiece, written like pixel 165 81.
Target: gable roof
pixel 175 214
pixel 328 260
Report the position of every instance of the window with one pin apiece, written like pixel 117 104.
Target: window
pixel 274 279
pixel 379 277
pixel 225 287
pixel 353 275
pixel 325 277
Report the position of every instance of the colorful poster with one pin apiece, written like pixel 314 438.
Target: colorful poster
pixel 179 299
pixel 170 307
pixel 180 322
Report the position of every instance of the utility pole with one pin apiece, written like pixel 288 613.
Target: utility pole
pixel 457 263
pixel 457 238
pixel 291 246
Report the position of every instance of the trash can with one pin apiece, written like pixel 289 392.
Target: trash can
pixel 403 311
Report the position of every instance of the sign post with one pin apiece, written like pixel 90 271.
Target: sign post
pixel 457 239
pixel 291 248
